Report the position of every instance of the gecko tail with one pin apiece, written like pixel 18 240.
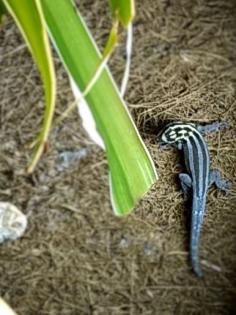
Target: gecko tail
pixel 197 219
pixel 196 265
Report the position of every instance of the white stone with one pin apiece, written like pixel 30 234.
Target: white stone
pixel 12 222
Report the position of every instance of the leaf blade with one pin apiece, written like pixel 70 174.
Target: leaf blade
pixel 29 18
pixel 132 170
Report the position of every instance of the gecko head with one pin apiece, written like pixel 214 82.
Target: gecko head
pixel 175 133
pixel 169 135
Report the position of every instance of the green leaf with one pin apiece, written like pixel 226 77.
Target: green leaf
pixel 112 40
pixel 131 169
pixel 29 18
pixel 3 11
pixel 124 10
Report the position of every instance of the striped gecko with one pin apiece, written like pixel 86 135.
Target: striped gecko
pixel 188 137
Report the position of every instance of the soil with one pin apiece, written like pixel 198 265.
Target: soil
pixel 76 257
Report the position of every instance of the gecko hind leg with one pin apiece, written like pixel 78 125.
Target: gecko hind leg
pixel 186 183
pixel 215 178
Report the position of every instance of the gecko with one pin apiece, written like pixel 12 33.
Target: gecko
pixel 189 138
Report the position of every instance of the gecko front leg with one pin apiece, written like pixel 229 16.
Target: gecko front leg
pixel 211 127
pixel 186 183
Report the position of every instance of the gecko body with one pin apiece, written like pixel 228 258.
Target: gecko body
pixel 189 138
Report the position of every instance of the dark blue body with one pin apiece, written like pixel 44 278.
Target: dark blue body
pixel 188 137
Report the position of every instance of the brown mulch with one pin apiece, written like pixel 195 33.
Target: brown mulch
pixel 76 257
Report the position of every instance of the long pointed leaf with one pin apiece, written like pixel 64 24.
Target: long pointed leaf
pixel 131 168
pixel 28 16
